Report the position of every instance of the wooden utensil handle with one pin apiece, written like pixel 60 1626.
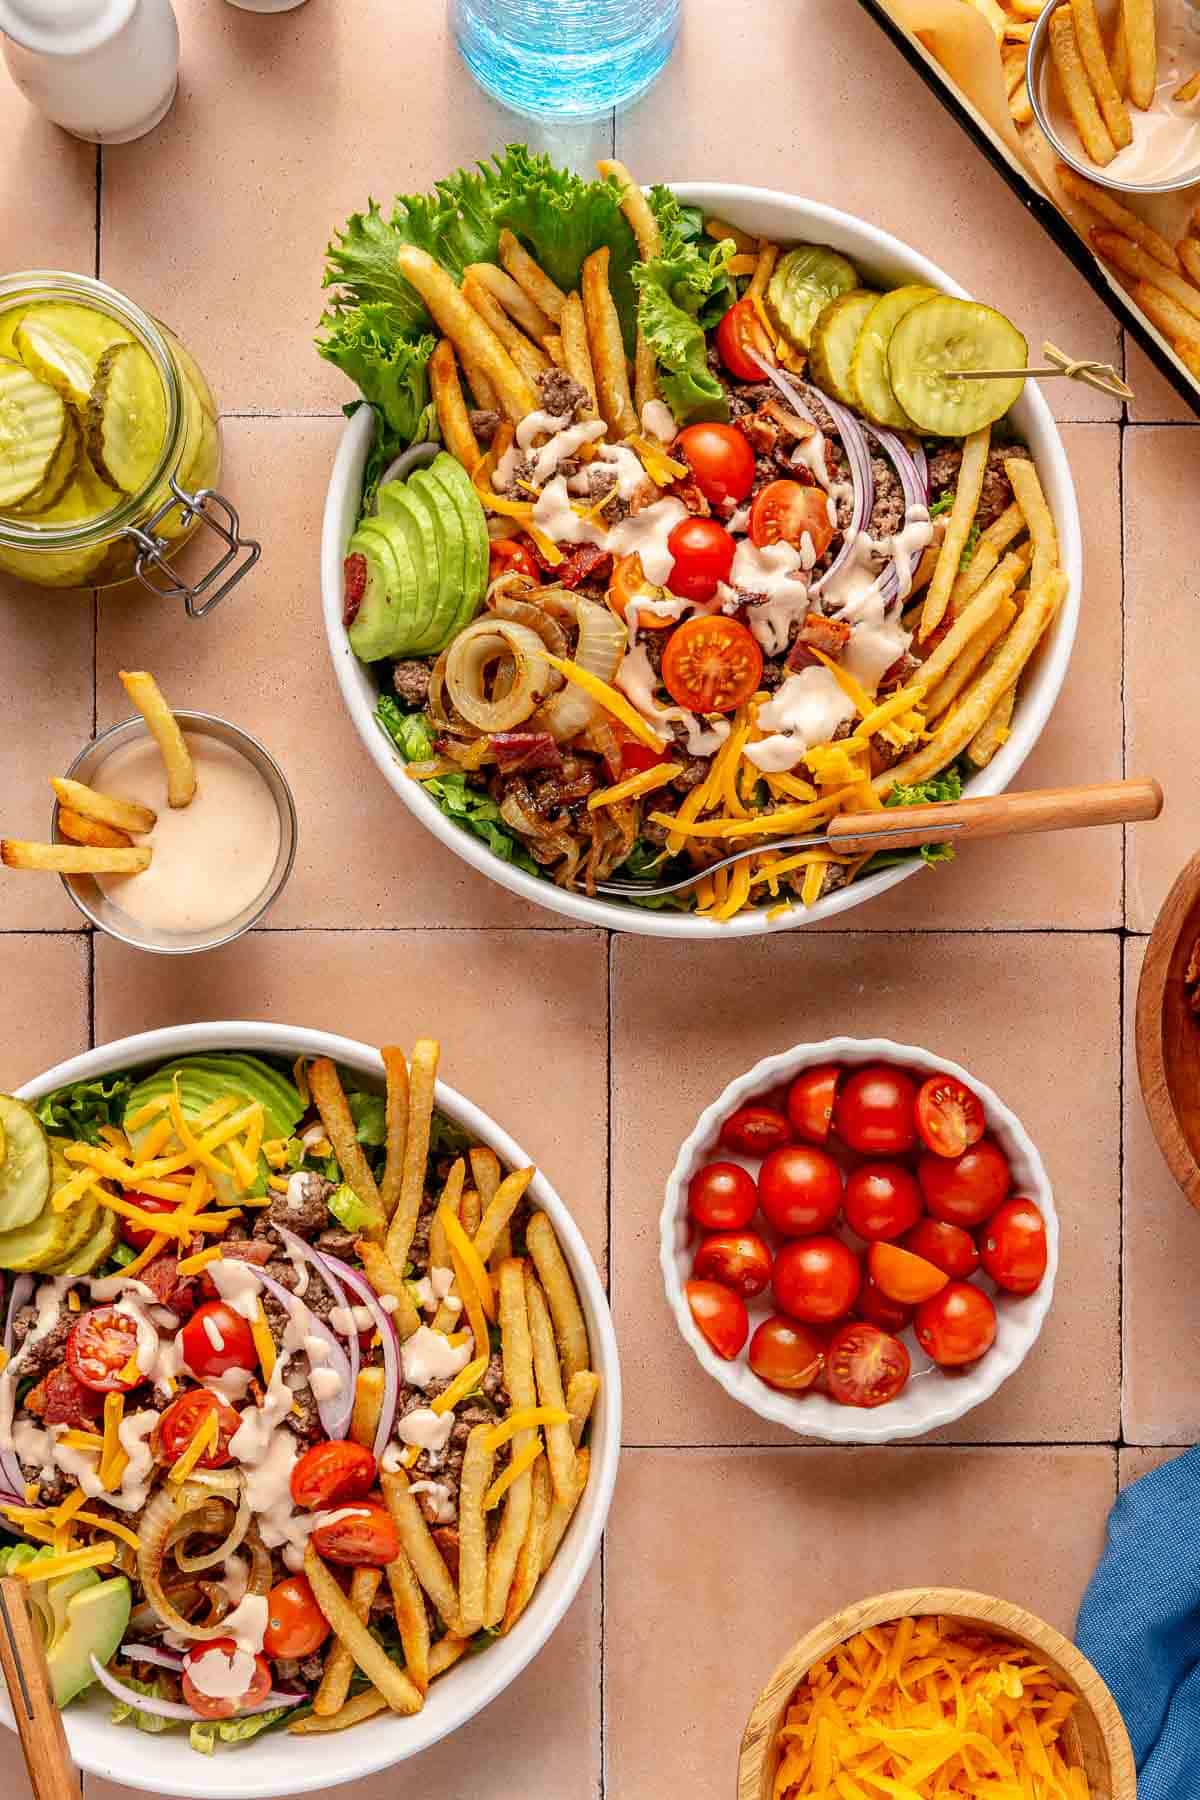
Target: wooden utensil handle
pixel 997 815
pixel 39 1720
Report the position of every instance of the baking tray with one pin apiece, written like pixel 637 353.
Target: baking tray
pixel 1037 203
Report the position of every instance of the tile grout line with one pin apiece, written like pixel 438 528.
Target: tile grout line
pixel 908 931
pixel 610 938
pixel 1122 1070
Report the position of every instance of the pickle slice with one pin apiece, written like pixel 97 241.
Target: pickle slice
pixel 869 365
pixel 60 474
pixel 54 359
pixel 804 282
pixel 85 328
pixel 8 332
pixel 834 336
pixel 33 423
pixel 25 1171
pixel 126 420
pixel 943 335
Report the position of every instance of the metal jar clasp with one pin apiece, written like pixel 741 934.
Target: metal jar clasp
pixel 219 515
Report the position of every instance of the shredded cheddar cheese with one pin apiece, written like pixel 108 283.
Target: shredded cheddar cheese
pixel 642 783
pixel 264 1343
pixel 46 1569
pixel 135 1120
pixel 524 1459
pixel 202 1439
pixel 113 1459
pixel 192 1265
pixel 157 1242
pixel 462 1384
pixel 609 699
pixel 526 1418
pixel 470 1258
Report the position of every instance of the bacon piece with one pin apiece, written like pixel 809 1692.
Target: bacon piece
pixel 687 490
pixel 827 635
pixel 354 576
pixel 584 562
pixel 162 1278
pixel 62 1399
pixel 525 750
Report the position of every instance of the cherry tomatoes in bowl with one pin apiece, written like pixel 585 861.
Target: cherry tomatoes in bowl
pixel 711 664
pixel 810 1102
pixel 720 458
pixel 816 1279
pixel 957 1325
pixel 790 511
pixel 704 553
pixel 100 1348
pixel 903 1277
pixel 138 1236
pixel 947 1247
pixel 214 1666
pixel 184 1417
pixel 968 1190
pixel 800 1189
pixel 722 1196
pixel 874 1306
pixel 720 1314
pixel 882 1200
pixel 217 1339
pixel 740 334
pixel 296 1626
pixel 786 1355
pixel 755 1130
pixel 875 1111
pixel 949 1116
pixel 1013 1247
pixel 737 1259
pixel 364 1535
pixel 332 1473
pixel 865 1366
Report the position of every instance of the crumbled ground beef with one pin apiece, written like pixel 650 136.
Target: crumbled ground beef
pixel 560 394
pixel 883 755
pixel 309 1668
pixel 337 1240
pixel 47 1353
pixel 484 423
pixel 411 682
pixel 53 1488
pixel 317 1296
pixel 774 673
pixel 692 774
pixel 303 1208
pixel 996 493
pixel 887 514
pixel 651 643
pixel 303 1419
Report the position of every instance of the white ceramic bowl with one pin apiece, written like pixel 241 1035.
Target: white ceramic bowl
pixel 931 1398
pixel 276 1764
pixel 884 260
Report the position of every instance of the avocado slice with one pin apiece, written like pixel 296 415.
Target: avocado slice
pixel 384 623
pixel 453 479
pixel 203 1079
pixel 447 525
pixel 400 509
pixel 95 1620
pixel 97 1248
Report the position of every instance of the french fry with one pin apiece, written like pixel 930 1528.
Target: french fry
pixel 1020 106
pixel 482 391
pixel 412 1621
pixel 339 1663
pixel 993 12
pixel 445 1653
pixel 163 726
pixel 516 1348
pixel 1119 60
pixel 476 342
pixel 923 574
pixel 645 374
pixel 607 347
pixel 399 1692
pixel 645 229
pixel 529 1562
pixel 560 1451
pixel 395 1071
pixel 1188 352
pixel 569 1328
pixel 1189 256
pixel 1081 102
pixel 719 230
pixel 73 859
pixel 428 1564
pixel 363 1706
pixel 577 358
pixel 1131 259
pixel 472 1532
pixel 1173 320
pixel 1141 41
pixel 995 590
pixel 451 1198
pixel 764 268
pixel 124 815
pixel 1110 209
pixel 1095 62
pixel 450 406
pixel 561 1510
pixel 500 1207
pixel 529 275
pixel 993 541
pixel 79 830
pixel 529 357
pixel 581 1397
pixel 958 528
pixel 552 345
pixel 422 1084
pixel 368 1404
pixel 386 1279
pixel 513 298
pixel 1013 64
pixel 1032 502
pixel 1190 89
pixel 968 660
pixel 329 1098
pixel 993 732
pixel 471 1212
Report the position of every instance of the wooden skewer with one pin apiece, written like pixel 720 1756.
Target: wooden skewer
pixel 39 1720
pixel 1101 376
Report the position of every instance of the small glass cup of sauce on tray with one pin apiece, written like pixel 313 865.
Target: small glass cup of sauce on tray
pixel 218 863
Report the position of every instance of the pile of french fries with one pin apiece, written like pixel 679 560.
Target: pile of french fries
pixel 101 828
pixel 547 1372
pixel 1163 278
pixel 1013 22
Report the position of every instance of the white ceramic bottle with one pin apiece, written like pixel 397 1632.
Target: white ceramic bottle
pixel 266 6
pixel 104 70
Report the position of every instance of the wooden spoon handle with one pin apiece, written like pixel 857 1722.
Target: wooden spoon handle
pixel 38 1718
pixel 997 815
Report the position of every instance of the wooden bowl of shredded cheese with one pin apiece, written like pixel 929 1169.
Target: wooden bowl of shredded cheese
pixel 935 1691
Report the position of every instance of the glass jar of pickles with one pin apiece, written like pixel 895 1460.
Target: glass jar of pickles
pixel 110 445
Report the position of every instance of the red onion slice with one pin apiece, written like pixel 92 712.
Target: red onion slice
pixel 916 493
pixel 335 1410
pixel 320 1264
pixel 177 1709
pixel 11 1472
pixel 152 1653
pixel 388 1339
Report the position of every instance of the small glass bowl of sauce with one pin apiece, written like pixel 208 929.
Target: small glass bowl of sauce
pixel 218 864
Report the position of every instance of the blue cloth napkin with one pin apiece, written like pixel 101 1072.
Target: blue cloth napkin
pixel 1140 1625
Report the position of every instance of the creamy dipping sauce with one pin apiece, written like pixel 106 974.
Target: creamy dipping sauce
pixel 1166 139
pixel 211 859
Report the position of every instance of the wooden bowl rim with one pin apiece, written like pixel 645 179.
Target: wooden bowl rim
pixel 987 1610
pixel 1148 1034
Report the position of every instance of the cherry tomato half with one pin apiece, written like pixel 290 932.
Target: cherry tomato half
pixel 136 1236
pixel 755 1130
pixel 810 1102
pixel 508 556
pixel 949 1116
pixel 737 1259
pixel 967 1191
pixel 296 1626
pixel 722 1197
pixel 183 1418
pixel 100 1347
pixel 902 1276
pixel 1013 1246
pixel 874 1306
pixel 957 1326
pixel 333 1473
pixel 875 1111
pixel 882 1200
pixel 800 1189
pixel 220 1659
pixel 865 1366
pixel 947 1247
pixel 721 1315
pixel 790 511
pixel 720 458
pixel 703 552
pixel 629 583
pixel 711 664
pixel 816 1279
pixel 216 1339
pixel 365 1535
pixel 786 1355
pixel 740 332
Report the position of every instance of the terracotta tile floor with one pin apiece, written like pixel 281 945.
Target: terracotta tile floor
pixel 727 1538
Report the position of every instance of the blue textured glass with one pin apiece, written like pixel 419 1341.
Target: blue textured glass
pixel 565 59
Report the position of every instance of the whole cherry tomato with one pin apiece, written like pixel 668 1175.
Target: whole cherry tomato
pixel 712 663
pixel 508 556
pixel 332 1473
pixel 364 1534
pixel 903 1277
pixel 816 1279
pixel 882 1200
pixel 755 1130
pixel 1013 1248
pixel 810 1102
pixel 216 1339
pixel 956 1326
pixel 720 458
pixel 214 1664
pixel 875 1111
pixel 721 1315
pixel 183 1418
pixel 947 1247
pixel 874 1306
pixel 737 1259
pixel 722 1196
pixel 865 1366
pixel 800 1189
pixel 296 1626
pixel 967 1191
pixel 949 1116
pixel 786 1355
pixel 790 511
pixel 136 1236
pixel 101 1346
pixel 703 551
pixel 740 334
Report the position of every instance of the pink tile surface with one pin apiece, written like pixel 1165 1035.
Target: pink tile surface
pixel 1155 399
pixel 44 984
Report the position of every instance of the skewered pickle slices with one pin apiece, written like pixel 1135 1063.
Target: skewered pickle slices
pixel 869 376
pixel 943 335
pixel 834 336
pixel 806 279
pixel 126 420
pixel 33 423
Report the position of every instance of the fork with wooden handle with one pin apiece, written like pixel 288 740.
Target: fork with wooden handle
pixel 954 822
pixel 27 1678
